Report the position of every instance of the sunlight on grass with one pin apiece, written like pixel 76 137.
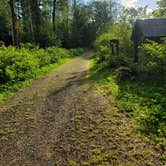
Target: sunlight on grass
pixel 143 99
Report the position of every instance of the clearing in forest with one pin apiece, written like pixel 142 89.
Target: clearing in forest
pixel 64 119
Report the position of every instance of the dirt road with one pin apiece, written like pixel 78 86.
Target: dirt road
pixel 64 119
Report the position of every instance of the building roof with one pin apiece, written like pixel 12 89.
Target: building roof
pixel 149 28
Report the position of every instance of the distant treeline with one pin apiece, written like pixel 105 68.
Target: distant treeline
pixel 65 23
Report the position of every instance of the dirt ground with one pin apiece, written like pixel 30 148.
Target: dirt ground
pixel 65 120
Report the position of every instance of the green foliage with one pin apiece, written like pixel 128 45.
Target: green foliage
pixel 131 14
pixel 161 10
pixel 143 99
pixel 17 65
pixel 104 40
pixel 57 53
pixel 80 27
pixel 141 87
pixel 154 57
pixel 103 50
pixel 122 31
pixel 102 46
pixel 4 21
pixel 77 51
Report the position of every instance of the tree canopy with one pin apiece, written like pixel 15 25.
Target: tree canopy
pixel 66 23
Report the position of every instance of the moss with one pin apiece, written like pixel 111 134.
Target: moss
pixel 85 163
pixel 72 163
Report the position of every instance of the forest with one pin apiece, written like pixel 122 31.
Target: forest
pixel 39 36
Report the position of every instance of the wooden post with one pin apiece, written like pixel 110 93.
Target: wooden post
pixel 114 43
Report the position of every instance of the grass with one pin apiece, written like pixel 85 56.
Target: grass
pixel 142 98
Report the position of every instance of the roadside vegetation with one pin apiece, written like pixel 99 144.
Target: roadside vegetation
pixel 19 66
pixel 38 36
pixel 139 89
pixel 54 31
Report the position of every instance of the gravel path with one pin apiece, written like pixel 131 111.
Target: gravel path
pixel 64 120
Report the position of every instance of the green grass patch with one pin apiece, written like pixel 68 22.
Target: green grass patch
pixel 142 98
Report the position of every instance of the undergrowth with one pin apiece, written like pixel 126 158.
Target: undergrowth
pixel 142 98
pixel 139 88
pixel 20 66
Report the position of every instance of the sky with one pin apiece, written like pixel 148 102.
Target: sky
pixel 138 3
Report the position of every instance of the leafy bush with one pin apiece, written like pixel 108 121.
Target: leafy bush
pixel 119 60
pixel 20 64
pixel 43 57
pixel 104 53
pixel 29 46
pixel 154 57
pixel 153 120
pixel 122 31
pixel 16 65
pixel 57 53
pixel 102 46
pixel 103 40
pixel 141 86
pixel 77 51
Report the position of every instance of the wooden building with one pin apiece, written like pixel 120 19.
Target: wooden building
pixel 153 29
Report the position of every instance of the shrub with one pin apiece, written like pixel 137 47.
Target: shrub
pixel 102 46
pixel 29 46
pixel 77 51
pixel 43 57
pixel 154 57
pixel 153 121
pixel 104 53
pixel 144 98
pixel 20 64
pixel 119 60
pixel 122 32
pixel 57 53
pixel 16 65
pixel 103 40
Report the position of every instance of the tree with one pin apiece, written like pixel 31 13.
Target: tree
pixel 81 27
pixel 36 19
pixel 130 15
pixel 161 4
pixel 15 23
pixel 161 11
pixel 101 15
pixel 27 25
pixel 5 28
pixel 53 16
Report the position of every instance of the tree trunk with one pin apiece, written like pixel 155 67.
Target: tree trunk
pixel 53 16
pixel 27 21
pixel 31 24
pixel 35 19
pixel 74 3
pixel 15 24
